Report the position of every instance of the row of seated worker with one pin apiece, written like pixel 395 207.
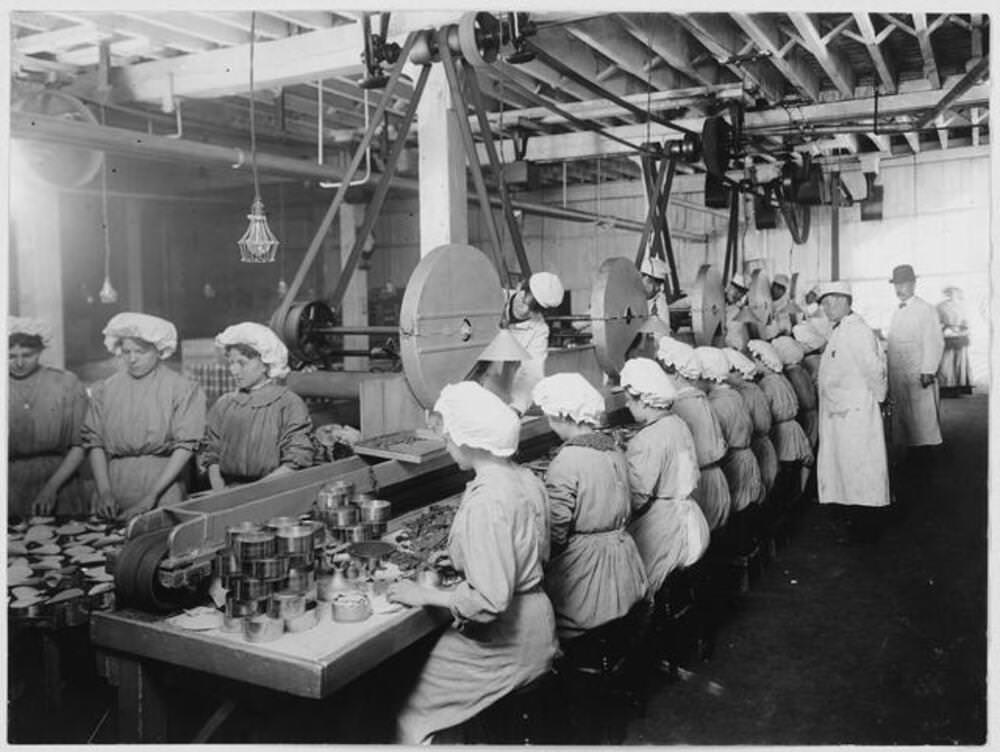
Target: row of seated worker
pixel 560 564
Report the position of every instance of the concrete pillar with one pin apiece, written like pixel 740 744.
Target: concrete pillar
pixel 443 194
pixel 35 262
pixel 355 304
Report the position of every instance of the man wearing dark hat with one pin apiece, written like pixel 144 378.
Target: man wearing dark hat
pixel 915 348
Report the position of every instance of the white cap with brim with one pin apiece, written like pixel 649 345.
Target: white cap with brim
pixel 546 288
pixel 739 281
pixel 839 287
pixel 654 267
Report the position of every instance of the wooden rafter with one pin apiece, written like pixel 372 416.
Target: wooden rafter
pixel 267 26
pixel 723 41
pixel 882 142
pixel 138 26
pixel 59 39
pixel 582 58
pixel 622 49
pixel 305 19
pixel 883 66
pixel 923 33
pixel 672 44
pixel 833 63
pixel 205 28
pixel 764 33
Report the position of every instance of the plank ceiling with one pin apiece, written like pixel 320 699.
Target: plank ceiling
pixel 839 84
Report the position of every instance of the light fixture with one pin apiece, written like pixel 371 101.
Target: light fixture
pixel 108 294
pixel 258 244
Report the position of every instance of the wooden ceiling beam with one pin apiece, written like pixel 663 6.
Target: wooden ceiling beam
pixel 883 66
pixel 765 34
pixel 267 26
pixel 59 39
pixel 545 75
pixel 882 142
pixel 37 21
pixel 724 41
pixel 126 49
pixel 674 45
pixel 306 19
pixel 941 123
pixel 138 26
pixel 923 33
pixel 836 67
pixel 582 58
pixel 206 28
pixel 617 45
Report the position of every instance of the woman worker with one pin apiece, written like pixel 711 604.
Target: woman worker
pixel 144 422
pixel 669 528
pixel 524 319
pixel 595 574
pixel 45 409
pixel 263 429
pixel 691 404
pixel 739 465
pixel 503 628
pixel 795 455
pixel 742 375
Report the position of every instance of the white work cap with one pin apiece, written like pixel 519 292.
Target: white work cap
pixel 740 281
pixel 840 287
pixel 644 378
pixel 654 267
pixel 158 332
pixel 546 288
pixel 808 336
pixel 790 351
pixel 473 416
pixel 741 363
pixel 569 395
pixel 781 279
pixel 680 355
pixel 713 362
pixel 30 327
pixel 271 349
pixel 766 354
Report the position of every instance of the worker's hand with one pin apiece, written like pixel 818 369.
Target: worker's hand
pixel 406 592
pixel 106 506
pixel 44 502
pixel 926 379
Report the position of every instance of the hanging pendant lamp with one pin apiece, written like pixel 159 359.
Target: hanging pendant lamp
pixel 108 294
pixel 258 244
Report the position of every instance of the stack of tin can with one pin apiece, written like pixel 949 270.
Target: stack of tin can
pixel 351 517
pixel 268 570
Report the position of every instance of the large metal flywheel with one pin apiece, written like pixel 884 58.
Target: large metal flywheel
pixel 450 311
pixel 618 309
pixel 708 305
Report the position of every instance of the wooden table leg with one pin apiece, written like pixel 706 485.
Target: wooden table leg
pixel 142 711
pixel 51 671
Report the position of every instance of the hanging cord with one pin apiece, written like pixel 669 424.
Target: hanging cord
pixel 649 88
pixel 104 209
pixel 253 130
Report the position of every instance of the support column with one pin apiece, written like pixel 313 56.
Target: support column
pixel 835 226
pixel 133 213
pixel 354 307
pixel 35 262
pixel 444 215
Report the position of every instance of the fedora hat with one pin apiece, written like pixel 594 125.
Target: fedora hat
pixel 903 273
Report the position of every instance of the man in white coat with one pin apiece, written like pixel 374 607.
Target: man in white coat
pixel 852 469
pixel 915 348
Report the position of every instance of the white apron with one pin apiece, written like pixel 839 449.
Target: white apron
pixel 915 347
pixel 852 467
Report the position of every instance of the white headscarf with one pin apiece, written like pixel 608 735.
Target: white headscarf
pixel 569 395
pixel 546 288
pixel 766 354
pixel 31 327
pixel 475 417
pixel 790 351
pixel 645 378
pixel 273 352
pixel 680 355
pixel 740 362
pixel 808 336
pixel 158 332
pixel 713 362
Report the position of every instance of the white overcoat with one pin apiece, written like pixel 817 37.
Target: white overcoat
pixel 915 347
pixel 852 467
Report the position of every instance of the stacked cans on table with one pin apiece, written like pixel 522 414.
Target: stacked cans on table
pixel 269 573
pixel 351 517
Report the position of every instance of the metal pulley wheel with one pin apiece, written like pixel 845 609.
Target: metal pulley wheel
pixel 716 145
pixel 759 301
pixel 302 330
pixel 479 38
pixel 136 572
pixel 57 164
pixel 450 311
pixel 424 50
pixel 618 309
pixel 688 148
pixel 708 305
